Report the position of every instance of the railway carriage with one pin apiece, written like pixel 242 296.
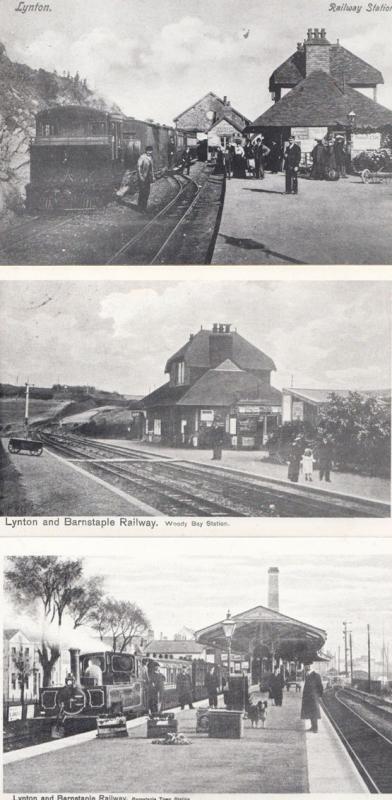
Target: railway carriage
pixel 79 154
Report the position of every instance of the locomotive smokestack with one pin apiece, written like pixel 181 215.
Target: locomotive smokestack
pixel 74 654
pixel 273 588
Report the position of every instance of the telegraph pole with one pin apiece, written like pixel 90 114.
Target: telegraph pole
pixel 345 649
pixel 351 658
pixel 26 419
pixel 368 641
pixel 339 659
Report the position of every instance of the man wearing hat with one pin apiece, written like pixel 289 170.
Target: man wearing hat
pixel 339 147
pixel 261 152
pixel 145 177
pixel 317 173
pixel 292 158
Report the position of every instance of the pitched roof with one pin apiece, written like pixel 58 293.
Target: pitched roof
pixel 217 104
pixel 224 387
pixel 319 396
pixel 165 395
pixel 196 352
pixel 226 118
pixel 344 65
pixel 173 646
pixel 10 632
pixel 319 101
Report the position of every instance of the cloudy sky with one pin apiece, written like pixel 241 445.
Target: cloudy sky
pixel 118 335
pixel 155 58
pixel 193 582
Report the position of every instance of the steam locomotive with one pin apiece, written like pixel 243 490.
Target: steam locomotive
pixel 120 685
pixel 79 154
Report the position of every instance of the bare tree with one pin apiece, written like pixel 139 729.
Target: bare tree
pixel 51 582
pixel 48 656
pixel 22 664
pixel 119 619
pixel 86 600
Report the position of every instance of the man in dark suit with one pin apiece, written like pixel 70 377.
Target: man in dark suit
pixel 312 691
pixel 292 157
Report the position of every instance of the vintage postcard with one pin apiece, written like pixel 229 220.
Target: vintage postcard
pixel 263 669
pixel 128 403
pixel 218 133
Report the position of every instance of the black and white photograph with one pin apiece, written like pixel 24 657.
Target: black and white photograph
pixel 260 669
pixel 194 399
pixel 134 132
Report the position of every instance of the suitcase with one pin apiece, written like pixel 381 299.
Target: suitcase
pixel 158 727
pixel 112 727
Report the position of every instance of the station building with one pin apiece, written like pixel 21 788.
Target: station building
pixel 16 642
pixel 267 638
pixel 217 376
pixel 323 88
pixel 211 122
pixel 306 405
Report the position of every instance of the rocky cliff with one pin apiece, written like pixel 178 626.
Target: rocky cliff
pixel 24 92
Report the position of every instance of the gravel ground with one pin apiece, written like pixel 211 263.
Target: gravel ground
pixel 264 761
pixel 49 487
pixel 346 222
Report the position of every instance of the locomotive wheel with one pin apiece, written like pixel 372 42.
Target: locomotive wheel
pixel 37 452
pixel 13 449
pixel 366 175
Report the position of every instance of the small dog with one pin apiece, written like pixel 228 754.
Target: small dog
pixel 258 713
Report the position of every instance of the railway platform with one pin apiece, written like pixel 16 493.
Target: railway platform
pixel 260 224
pixel 253 462
pixel 281 758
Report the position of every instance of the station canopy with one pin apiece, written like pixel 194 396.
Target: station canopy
pixel 267 632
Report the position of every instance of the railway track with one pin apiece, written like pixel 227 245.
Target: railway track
pixel 369 747
pixel 181 487
pixel 149 249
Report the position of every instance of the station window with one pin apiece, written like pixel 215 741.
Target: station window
pixel 13 680
pixel 180 373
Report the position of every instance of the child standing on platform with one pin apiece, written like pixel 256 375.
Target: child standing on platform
pixel 307 464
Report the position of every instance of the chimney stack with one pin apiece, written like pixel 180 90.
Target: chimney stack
pixel 74 654
pixel 317 49
pixel 273 588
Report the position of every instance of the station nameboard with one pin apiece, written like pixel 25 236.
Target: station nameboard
pixel 14 713
pixel 366 141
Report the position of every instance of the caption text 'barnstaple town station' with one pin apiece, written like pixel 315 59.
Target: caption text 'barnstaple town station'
pixel 237 690
pixel 325 131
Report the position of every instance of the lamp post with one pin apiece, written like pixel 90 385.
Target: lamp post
pixel 228 626
pixel 351 116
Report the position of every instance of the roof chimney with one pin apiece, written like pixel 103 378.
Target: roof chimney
pixel 273 588
pixel 225 100
pixel 317 49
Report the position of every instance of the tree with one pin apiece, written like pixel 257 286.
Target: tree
pixel 119 619
pixel 57 585
pixel 360 430
pixel 48 656
pixel 45 579
pixel 85 602
pixel 23 667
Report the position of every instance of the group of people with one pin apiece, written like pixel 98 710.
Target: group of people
pixel 155 682
pixel 312 692
pixel 240 160
pixel 329 158
pixel 302 457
